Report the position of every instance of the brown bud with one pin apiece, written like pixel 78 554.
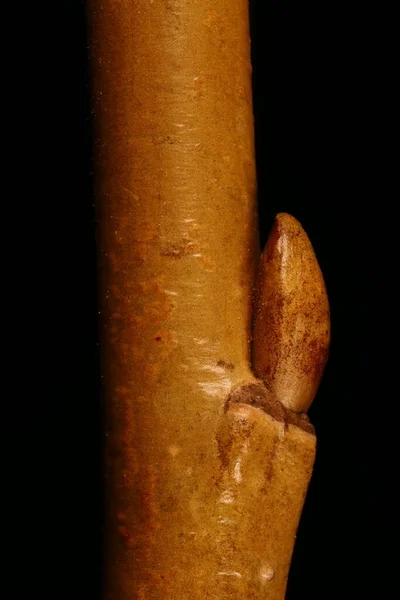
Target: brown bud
pixel 291 317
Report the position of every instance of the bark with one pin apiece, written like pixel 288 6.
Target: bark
pixel 205 481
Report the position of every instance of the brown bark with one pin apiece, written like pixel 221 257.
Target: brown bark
pixel 204 490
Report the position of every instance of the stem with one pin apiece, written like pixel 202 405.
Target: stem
pixel 203 497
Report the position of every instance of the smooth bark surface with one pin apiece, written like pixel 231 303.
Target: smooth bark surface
pixel 204 494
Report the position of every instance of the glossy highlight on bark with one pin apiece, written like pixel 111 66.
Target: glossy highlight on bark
pixel 291 317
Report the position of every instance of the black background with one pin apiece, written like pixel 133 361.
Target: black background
pixel 324 154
